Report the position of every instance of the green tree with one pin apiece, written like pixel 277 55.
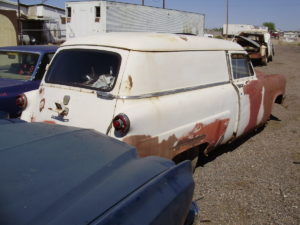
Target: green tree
pixel 270 26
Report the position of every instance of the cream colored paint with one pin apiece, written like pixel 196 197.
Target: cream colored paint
pixel 7 32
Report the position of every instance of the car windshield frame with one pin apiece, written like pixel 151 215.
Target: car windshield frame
pixel 64 60
pixel 19 70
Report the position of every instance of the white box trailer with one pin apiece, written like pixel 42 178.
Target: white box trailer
pixel 236 29
pixel 92 17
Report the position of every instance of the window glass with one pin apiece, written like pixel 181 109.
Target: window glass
pixel 46 60
pixel 85 68
pixel 97 11
pixel 69 12
pixel 17 65
pixel 241 66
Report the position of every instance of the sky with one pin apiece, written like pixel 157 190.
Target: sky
pixel 285 14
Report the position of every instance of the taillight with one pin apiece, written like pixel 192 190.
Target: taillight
pixel 121 124
pixel 21 101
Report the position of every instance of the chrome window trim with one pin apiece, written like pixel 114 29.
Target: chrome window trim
pixel 109 96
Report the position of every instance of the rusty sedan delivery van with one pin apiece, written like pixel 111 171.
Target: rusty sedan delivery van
pixel 166 94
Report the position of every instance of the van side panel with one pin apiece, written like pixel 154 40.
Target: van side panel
pixel 150 72
pixel 169 124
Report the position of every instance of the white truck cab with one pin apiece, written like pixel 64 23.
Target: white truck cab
pixel 165 94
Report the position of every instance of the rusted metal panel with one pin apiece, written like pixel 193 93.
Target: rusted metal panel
pixel 262 94
pixel 169 148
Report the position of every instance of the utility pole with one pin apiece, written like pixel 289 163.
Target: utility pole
pixel 164 4
pixel 20 36
pixel 143 2
pixel 226 36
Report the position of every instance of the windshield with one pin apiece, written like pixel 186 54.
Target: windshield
pixel 17 65
pixel 85 68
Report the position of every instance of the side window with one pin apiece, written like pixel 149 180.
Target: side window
pixel 97 12
pixel 69 12
pixel 46 59
pixel 241 66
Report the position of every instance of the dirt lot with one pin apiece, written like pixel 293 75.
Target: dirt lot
pixel 257 180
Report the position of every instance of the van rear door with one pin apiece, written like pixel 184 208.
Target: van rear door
pixel 69 94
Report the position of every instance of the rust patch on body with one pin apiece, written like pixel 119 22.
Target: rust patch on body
pixel 41 91
pixel 147 145
pixel 183 38
pixel 254 90
pixel 42 104
pixel 130 83
pixel 32 119
pixel 272 86
pixel 49 121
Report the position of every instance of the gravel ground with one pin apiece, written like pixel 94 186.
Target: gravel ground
pixel 256 180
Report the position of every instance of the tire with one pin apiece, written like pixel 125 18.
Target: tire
pixel 194 163
pixel 270 58
pixel 264 61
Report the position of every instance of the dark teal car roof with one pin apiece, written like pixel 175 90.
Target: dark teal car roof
pixel 54 175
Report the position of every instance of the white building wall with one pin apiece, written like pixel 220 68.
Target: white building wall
pixel 8 5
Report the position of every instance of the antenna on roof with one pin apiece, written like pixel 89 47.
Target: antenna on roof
pixel 43 1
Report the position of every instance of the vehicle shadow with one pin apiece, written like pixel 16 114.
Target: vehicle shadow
pixel 227 147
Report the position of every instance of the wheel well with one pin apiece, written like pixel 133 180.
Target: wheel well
pixel 279 99
pixel 190 154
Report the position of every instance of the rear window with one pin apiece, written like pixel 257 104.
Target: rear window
pixel 85 68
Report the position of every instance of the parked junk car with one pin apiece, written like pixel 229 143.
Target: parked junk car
pixel 258 44
pixel 52 174
pixel 167 95
pixel 21 70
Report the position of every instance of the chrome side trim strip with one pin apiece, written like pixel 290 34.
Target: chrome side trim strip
pixel 109 96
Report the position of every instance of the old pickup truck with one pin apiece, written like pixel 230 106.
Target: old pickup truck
pixel 168 95
pixel 258 44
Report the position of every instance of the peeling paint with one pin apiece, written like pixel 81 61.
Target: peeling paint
pixel 49 121
pixel 129 83
pixel 183 38
pixel 254 90
pixel 273 86
pixel 32 119
pixel 42 105
pixel 169 148
pixel 41 91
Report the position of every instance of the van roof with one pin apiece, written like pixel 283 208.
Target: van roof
pixel 157 42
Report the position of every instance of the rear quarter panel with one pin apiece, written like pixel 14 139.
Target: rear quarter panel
pixel 170 124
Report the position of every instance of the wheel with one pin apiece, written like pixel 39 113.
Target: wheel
pixel 270 58
pixel 194 163
pixel 264 61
